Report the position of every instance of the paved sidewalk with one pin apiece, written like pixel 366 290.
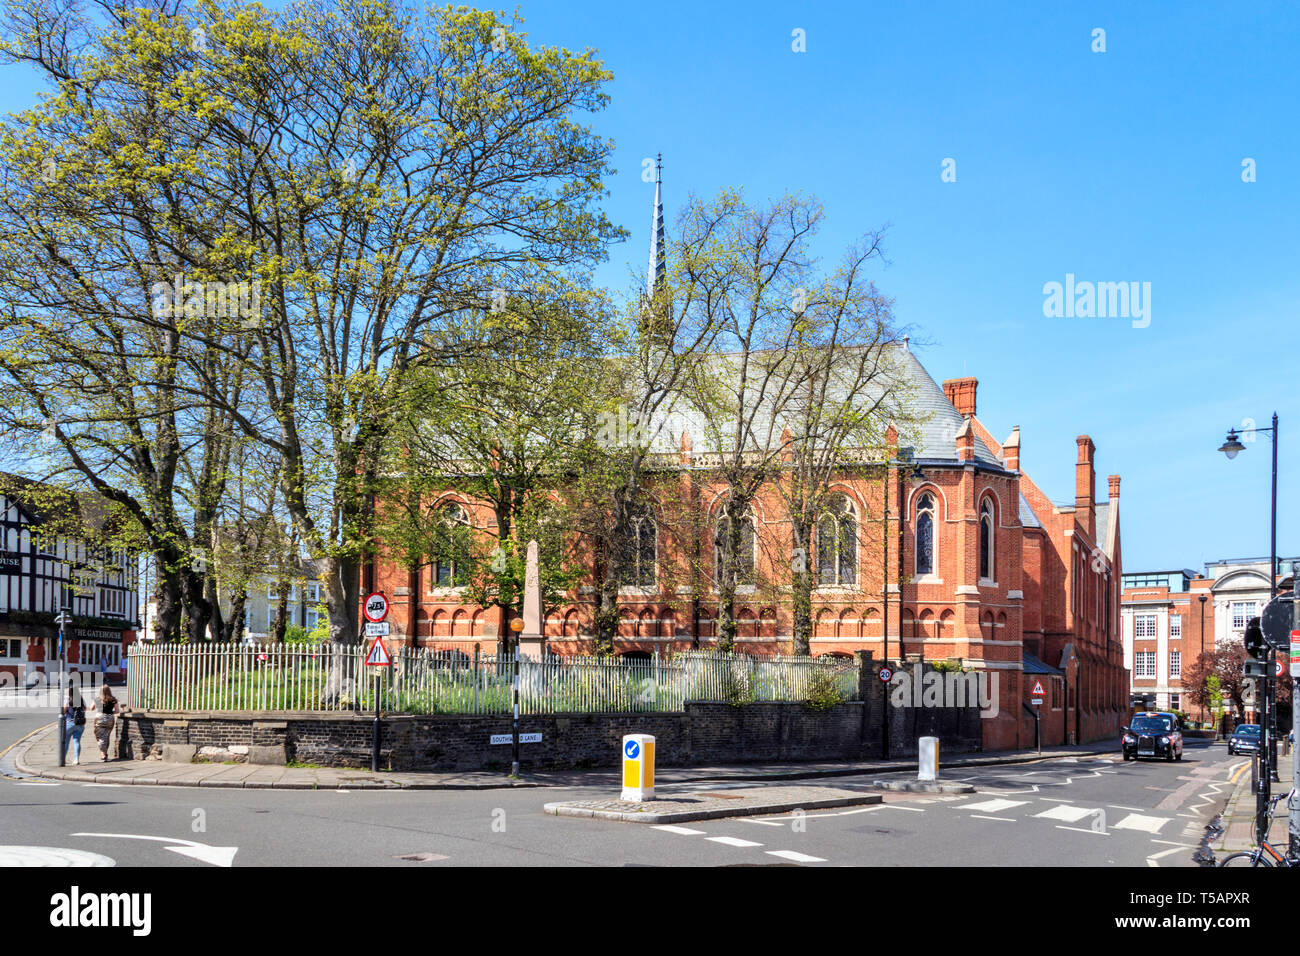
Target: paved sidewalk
pixel 38 756
pixel 1238 820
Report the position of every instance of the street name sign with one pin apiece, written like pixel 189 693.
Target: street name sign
pixel 508 738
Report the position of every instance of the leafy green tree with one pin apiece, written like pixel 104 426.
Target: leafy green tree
pixel 364 175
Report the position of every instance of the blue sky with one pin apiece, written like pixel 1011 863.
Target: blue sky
pixel 1117 166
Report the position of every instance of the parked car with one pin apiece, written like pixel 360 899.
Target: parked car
pixel 1244 740
pixel 1155 734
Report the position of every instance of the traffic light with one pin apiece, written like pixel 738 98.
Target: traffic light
pixel 1254 639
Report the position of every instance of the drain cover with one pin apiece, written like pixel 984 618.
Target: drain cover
pixel 421 857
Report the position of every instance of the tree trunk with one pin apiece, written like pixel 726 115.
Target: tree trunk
pixel 342 598
pixel 235 622
pixel 167 600
pixel 802 584
pixel 281 610
pixel 198 611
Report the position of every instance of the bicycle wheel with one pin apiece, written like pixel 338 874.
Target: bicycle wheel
pixel 1246 858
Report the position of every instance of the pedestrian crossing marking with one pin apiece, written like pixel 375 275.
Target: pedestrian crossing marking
pixel 733 841
pixel 796 857
pixel 1138 821
pixel 993 806
pixel 1067 814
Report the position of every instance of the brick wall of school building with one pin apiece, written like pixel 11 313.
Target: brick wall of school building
pixel 1052 592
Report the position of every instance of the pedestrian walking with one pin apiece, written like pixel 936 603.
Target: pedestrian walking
pixel 104 722
pixel 74 722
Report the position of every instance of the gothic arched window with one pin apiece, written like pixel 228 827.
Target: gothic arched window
pixel 745 548
pixel 837 544
pixel 986 540
pixel 451 551
pixel 925 535
pixel 638 541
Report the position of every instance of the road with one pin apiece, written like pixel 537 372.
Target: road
pixel 1078 811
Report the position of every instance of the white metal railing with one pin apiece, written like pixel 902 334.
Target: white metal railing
pixel 334 677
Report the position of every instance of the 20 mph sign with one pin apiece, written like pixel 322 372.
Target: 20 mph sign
pixel 375 608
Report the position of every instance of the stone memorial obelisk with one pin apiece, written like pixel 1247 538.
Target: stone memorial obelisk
pixel 531 638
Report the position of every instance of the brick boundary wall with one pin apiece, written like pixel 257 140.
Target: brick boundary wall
pixel 706 733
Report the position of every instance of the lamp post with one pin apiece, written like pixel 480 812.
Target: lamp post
pixel 1268 737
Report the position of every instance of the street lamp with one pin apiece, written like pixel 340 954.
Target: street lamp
pixel 1268 742
pixel 1232 445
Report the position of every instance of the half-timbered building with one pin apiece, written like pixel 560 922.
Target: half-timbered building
pixel 55 555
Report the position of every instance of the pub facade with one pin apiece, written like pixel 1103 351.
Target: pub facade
pixel 51 562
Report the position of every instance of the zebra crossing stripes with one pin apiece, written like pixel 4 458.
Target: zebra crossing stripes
pixel 1067 813
pixel 732 841
pixel 993 806
pixel 1142 822
pixel 795 857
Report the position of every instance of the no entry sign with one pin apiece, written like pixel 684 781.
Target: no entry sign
pixel 375 608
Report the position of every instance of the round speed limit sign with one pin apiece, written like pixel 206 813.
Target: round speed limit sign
pixel 375 608
pixel 886 675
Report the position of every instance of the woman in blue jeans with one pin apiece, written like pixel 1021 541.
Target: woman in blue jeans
pixel 74 721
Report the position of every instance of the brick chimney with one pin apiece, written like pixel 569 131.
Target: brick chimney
pixel 686 448
pixel 966 442
pixel 1113 482
pixel 1085 487
pixel 961 392
pixel 1011 450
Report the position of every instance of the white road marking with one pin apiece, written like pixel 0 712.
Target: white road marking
pixel 1083 830
pixel 993 806
pixel 36 783
pixel 732 841
pixel 796 857
pixel 684 831
pixel 1139 821
pixel 1151 860
pixel 1068 814
pixel 1056 799
pixel 979 816
pixel 51 856
pixel 1116 806
pixel 786 818
pixel 216 855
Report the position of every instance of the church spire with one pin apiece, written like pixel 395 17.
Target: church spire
pixel 658 267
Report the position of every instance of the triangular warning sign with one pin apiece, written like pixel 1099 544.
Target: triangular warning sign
pixel 378 656
pixel 1038 687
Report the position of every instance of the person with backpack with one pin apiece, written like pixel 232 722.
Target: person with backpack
pixel 104 722
pixel 74 720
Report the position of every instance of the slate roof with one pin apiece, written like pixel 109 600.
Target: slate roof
pixel 933 440
pixel 1027 516
pixel 1032 665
